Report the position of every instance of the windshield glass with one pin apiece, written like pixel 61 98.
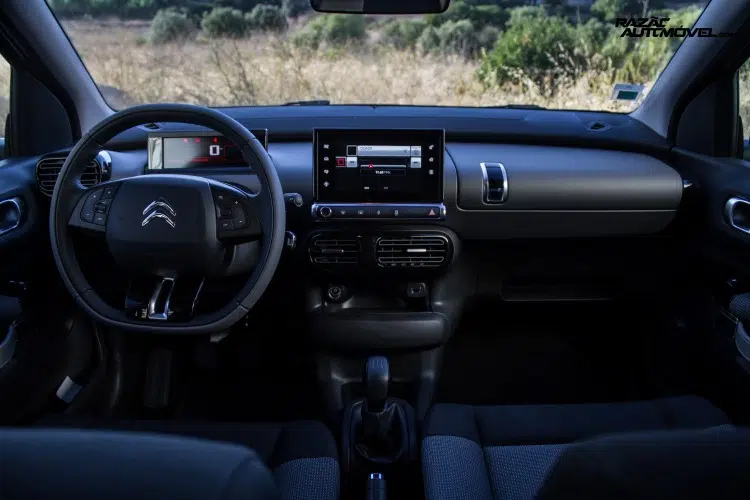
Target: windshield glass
pixel 564 54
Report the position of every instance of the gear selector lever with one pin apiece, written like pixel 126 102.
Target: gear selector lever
pixel 376 378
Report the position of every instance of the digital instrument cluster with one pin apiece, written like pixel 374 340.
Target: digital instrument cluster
pixel 179 150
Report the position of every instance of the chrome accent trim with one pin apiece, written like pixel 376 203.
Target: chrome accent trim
pixel 102 162
pixel 376 476
pixel 486 182
pixel 157 215
pixel 290 241
pixel 16 202
pixel 415 235
pixel 729 213
pixel 686 184
pixel 197 295
pixel 160 204
pixel 162 315
pixel 437 206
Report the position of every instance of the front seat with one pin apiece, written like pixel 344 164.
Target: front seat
pixel 508 452
pixel 59 464
pixel 302 455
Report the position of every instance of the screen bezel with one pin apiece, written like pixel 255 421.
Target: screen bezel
pixel 441 161
pixel 155 137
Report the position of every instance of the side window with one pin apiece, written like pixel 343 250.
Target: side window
pixel 4 96
pixel 744 98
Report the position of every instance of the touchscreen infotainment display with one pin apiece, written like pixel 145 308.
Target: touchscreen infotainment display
pixel 379 166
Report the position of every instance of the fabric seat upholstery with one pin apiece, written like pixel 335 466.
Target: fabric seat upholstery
pixel 302 455
pixel 82 464
pixel 503 452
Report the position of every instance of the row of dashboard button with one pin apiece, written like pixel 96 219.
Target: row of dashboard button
pixel 378 211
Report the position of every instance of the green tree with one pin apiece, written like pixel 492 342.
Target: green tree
pixel 171 25
pixel 609 10
pixel 403 34
pixel 537 48
pixel 344 28
pixel 224 22
pixel 265 17
pixel 295 8
pixel 479 15
pixel 429 41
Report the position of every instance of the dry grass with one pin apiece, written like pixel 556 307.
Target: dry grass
pixel 265 70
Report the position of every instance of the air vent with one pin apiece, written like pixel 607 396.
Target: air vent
pixel 418 250
pixel 49 167
pixel 598 126
pixel 334 251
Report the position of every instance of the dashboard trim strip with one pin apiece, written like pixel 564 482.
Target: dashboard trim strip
pixel 315 210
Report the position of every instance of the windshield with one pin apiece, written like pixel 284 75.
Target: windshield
pixel 563 54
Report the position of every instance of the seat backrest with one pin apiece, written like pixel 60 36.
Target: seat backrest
pixel 711 463
pixel 81 464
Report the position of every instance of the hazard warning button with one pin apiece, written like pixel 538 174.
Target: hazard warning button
pixel 423 212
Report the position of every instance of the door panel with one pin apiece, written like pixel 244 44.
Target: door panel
pixel 714 225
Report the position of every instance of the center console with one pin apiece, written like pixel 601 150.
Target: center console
pixel 377 248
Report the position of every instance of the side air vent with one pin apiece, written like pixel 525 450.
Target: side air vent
pixel 416 250
pixel 48 168
pixel 334 251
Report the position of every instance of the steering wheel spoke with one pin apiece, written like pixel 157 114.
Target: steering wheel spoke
pixel 93 207
pixel 240 216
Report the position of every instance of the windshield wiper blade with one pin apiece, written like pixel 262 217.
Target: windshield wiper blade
pixel 308 103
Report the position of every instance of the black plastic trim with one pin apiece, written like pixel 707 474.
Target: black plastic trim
pixel 379 330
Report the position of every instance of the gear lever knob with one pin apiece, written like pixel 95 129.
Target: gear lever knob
pixel 376 378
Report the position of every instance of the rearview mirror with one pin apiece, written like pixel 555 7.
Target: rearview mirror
pixel 381 6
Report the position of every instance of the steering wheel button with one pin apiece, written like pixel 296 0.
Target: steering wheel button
pixel 102 206
pixel 239 222
pixel 87 215
pixel 226 225
pixel 95 196
pixel 109 192
pixel 100 219
pixel 225 212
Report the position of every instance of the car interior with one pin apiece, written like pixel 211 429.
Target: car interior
pixel 373 301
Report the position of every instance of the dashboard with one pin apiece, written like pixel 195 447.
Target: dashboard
pixel 478 174
pixel 418 191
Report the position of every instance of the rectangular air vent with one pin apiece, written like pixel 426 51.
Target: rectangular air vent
pixel 418 250
pixel 334 251
pixel 49 168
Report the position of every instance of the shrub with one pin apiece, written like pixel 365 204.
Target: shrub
pixel 458 37
pixel 487 36
pixel 403 34
pixel 295 8
pixel 170 25
pixel 429 41
pixel 224 22
pixel 344 28
pixel 311 35
pixel 266 18
pixel 540 49
pixel 479 15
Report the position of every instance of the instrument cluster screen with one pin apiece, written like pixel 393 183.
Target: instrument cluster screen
pixel 181 151
pixel 378 166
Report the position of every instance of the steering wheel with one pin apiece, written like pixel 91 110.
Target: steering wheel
pixel 168 224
